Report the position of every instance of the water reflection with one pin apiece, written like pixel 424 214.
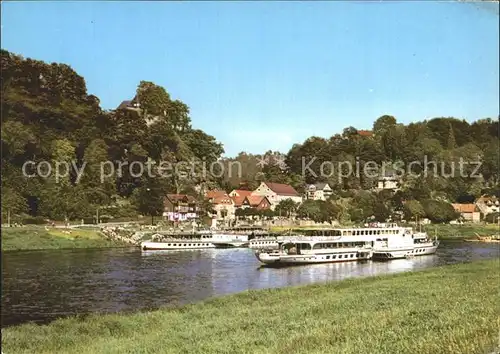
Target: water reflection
pixel 43 285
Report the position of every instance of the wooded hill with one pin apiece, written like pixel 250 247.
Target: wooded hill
pixel 48 115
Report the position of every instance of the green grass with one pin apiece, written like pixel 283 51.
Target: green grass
pixel 450 309
pixel 460 232
pixel 36 238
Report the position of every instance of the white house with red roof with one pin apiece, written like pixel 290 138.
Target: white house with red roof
pixel 222 204
pixel 276 192
pixel 238 196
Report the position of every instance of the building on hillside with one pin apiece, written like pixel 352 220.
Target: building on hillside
pixel 318 191
pixel 222 204
pixel 488 204
pixel 238 196
pixel 365 133
pixel 180 207
pixel 276 192
pixel 388 180
pixel 259 202
pixel 468 212
pixel 134 105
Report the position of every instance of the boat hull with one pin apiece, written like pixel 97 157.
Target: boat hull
pixel 395 253
pixel 280 259
pixel 230 244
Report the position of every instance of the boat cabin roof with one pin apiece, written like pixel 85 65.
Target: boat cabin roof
pixel 353 231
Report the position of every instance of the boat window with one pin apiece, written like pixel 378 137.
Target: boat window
pixel 334 257
pixel 327 257
pixel 352 255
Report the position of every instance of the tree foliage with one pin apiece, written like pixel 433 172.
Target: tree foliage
pixel 47 115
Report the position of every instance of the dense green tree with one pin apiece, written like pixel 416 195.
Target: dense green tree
pixel 439 211
pixel 413 210
pixel 12 203
pixel 309 209
pixel 149 198
pixel 452 144
pixel 286 207
pixel 383 124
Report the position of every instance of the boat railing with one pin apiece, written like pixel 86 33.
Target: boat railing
pixel 308 238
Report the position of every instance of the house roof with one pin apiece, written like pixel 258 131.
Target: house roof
pixel 366 133
pixel 465 208
pixel 282 189
pixel 219 197
pixel 241 192
pixel 255 200
pixel 487 199
pixel 124 104
pixel 215 194
pixel 127 103
pixel 238 200
pixel 222 200
pixel 181 197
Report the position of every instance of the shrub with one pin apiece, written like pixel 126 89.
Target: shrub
pixel 492 217
pixel 34 220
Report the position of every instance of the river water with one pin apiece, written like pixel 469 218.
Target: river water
pixel 40 286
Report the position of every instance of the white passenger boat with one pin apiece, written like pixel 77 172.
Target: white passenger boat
pixel 306 250
pixel 178 241
pixel 347 244
pixel 263 242
pixel 229 240
pixel 410 245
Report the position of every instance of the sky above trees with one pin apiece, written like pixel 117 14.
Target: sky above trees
pixel 262 76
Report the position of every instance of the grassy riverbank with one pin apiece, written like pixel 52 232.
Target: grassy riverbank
pixel 37 237
pixel 460 232
pixel 450 309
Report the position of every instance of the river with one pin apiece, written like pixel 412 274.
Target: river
pixel 40 286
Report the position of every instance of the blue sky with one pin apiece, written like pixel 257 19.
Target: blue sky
pixel 265 75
